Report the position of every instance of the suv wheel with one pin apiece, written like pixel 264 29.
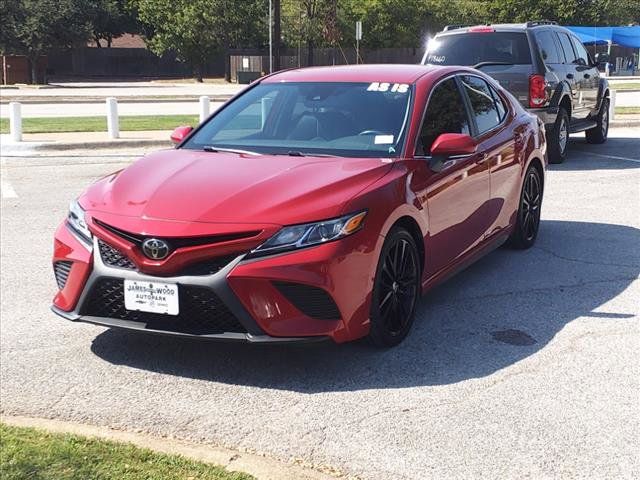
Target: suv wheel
pixel 598 134
pixel 559 137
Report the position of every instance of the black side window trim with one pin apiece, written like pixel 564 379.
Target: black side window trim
pixel 477 135
pixel 472 125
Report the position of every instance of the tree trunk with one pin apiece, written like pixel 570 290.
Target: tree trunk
pixel 97 40
pixel 109 41
pixel 310 53
pixel 198 70
pixel 33 63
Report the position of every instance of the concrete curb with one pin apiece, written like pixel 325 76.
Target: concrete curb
pixel 261 467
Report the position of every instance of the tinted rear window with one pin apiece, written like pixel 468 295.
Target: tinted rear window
pixel 473 48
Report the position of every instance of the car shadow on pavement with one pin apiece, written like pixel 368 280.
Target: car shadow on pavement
pixel 503 309
pixel 618 153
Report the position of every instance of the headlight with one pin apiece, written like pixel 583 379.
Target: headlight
pixel 309 234
pixel 77 222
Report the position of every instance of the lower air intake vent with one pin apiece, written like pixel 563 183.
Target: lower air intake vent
pixel 61 270
pixel 314 302
pixel 201 311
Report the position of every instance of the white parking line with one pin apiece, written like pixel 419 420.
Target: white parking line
pixel 612 156
pixel 7 189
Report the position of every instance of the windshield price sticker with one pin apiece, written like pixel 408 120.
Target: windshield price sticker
pixel 388 87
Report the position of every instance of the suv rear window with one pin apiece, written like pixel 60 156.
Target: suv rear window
pixel 473 48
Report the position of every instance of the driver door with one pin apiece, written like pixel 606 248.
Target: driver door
pixel 457 194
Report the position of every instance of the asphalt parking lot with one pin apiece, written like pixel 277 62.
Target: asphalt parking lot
pixel 524 365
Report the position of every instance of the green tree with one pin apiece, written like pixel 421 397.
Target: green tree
pixel 35 27
pixel 196 29
pixel 110 19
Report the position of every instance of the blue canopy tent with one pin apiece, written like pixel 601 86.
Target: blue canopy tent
pixel 623 36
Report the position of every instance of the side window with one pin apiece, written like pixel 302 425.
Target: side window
pixel 445 114
pixel 502 108
pixel 565 42
pixel 581 52
pixel 483 106
pixel 547 47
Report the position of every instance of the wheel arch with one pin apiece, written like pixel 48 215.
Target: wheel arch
pixel 409 223
pixel 537 163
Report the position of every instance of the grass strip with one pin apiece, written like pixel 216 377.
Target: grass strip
pixel 99 124
pixel 27 453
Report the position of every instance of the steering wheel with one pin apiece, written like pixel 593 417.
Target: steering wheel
pixel 371 132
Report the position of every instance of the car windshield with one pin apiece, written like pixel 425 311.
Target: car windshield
pixel 474 48
pixel 309 118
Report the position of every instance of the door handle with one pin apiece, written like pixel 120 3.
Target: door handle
pixel 570 76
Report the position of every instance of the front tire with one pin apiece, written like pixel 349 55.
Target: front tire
pixel 528 221
pixel 558 137
pixel 598 134
pixel 396 290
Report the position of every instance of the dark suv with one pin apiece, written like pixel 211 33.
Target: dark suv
pixel 543 65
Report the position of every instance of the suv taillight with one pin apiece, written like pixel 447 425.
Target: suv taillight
pixel 537 91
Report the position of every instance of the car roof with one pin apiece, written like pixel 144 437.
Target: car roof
pixel 354 73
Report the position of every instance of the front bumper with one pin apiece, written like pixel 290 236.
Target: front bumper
pixel 142 327
pixel 245 288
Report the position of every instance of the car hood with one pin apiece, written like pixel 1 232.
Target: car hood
pixel 196 186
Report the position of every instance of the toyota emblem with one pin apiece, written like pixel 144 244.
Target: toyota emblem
pixel 155 248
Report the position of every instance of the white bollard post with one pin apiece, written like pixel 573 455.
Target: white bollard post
pixel 113 126
pixel 612 105
pixel 15 121
pixel 204 108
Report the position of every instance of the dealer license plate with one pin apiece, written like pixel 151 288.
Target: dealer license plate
pixel 153 297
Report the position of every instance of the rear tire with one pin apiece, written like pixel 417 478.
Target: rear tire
pixel 598 134
pixel 558 137
pixel 528 221
pixel 396 290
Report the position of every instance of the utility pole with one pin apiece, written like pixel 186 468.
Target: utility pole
pixel 276 34
pixel 358 38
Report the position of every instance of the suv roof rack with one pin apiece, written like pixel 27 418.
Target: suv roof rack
pixel 535 23
pixel 454 27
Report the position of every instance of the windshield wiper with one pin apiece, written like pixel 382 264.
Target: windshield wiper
pixel 214 149
pixel 298 153
pixel 484 64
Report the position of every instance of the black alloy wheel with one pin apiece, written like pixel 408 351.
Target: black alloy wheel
pixel 528 221
pixel 396 289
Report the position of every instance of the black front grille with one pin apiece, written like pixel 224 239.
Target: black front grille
pixel 114 257
pixel 61 270
pixel 314 302
pixel 201 311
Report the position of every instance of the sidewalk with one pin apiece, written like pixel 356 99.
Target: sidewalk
pixel 154 139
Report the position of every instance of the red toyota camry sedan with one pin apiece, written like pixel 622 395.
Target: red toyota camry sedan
pixel 318 203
